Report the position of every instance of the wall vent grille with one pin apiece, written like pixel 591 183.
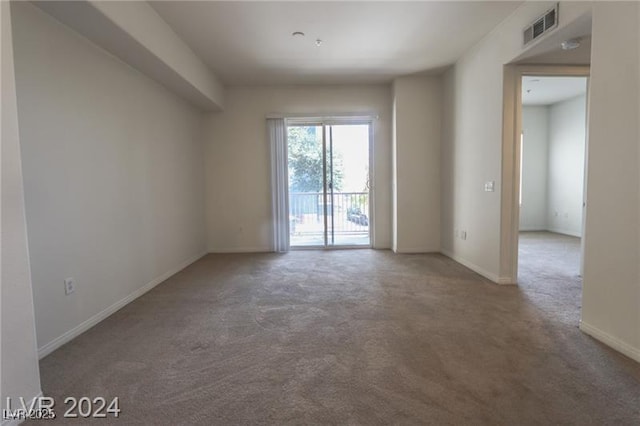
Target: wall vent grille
pixel 541 25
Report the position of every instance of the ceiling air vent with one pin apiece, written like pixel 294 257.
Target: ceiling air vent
pixel 541 25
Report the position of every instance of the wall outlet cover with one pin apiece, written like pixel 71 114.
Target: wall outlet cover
pixel 69 286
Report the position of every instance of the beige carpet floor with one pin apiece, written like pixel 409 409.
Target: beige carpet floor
pixel 352 337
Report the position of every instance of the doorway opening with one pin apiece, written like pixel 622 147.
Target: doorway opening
pixel 552 182
pixel 329 183
pixel 517 80
pixel 552 152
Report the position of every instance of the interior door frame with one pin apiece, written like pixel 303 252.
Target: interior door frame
pixel 335 120
pixel 510 188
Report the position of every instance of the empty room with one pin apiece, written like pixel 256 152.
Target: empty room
pixel 552 193
pixel 320 212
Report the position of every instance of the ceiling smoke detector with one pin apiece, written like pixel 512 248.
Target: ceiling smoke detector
pixel 570 44
pixel 318 42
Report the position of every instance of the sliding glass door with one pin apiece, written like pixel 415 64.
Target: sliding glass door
pixel 329 194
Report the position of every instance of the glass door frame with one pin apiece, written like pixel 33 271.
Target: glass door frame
pixel 325 122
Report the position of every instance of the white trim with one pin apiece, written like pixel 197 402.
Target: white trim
pixel 303 117
pixel 416 250
pixel 330 248
pixel 551 230
pixel 564 232
pixel 227 250
pixel 510 172
pixel 534 229
pixel 491 276
pixel 372 178
pixel 86 325
pixel 609 340
pixel 17 422
pixel 331 121
pixel 388 247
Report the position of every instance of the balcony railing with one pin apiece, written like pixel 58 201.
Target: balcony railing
pixel 347 216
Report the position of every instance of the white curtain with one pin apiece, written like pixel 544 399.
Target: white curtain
pixel 279 186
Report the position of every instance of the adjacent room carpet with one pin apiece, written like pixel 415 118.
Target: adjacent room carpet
pixel 352 337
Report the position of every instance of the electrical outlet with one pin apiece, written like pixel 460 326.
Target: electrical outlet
pixel 69 286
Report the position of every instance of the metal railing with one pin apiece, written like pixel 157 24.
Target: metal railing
pixel 347 213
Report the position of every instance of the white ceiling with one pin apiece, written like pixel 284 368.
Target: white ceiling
pixel 362 41
pixel 550 90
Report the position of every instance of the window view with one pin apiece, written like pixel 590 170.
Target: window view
pixel 329 185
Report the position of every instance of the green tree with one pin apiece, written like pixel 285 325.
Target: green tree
pixel 305 161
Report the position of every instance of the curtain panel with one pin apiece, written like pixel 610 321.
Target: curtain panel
pixel 277 132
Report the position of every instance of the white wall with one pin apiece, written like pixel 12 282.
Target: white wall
pixel 237 158
pixel 134 32
pixel 472 147
pixel 113 172
pixel 611 287
pixel 535 161
pixel 471 151
pixel 553 167
pixel 417 110
pixel 567 128
pixel 148 28
pixel 19 372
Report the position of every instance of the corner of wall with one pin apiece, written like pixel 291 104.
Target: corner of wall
pixel 20 369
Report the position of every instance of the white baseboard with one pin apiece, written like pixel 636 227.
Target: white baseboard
pixel 553 230
pixel 17 422
pixel 257 249
pixel 609 340
pixel 491 276
pixel 84 326
pixel 416 250
pixel 381 247
pixel 564 232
